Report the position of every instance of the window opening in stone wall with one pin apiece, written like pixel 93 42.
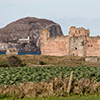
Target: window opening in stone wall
pixel 73 54
pixel 79 31
pixel 75 48
pixel 85 35
pixel 88 45
pixel 75 31
pixel 73 35
pixel 91 45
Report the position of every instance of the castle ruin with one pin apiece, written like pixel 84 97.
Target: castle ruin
pixel 77 43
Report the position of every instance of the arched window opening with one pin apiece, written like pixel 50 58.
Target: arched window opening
pixel 75 48
pixel 79 32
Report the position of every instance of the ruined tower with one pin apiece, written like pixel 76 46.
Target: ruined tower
pixel 44 36
pixel 77 40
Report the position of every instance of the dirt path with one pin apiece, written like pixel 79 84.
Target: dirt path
pixel 98 65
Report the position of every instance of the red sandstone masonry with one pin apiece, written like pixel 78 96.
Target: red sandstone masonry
pixel 93 47
pixel 78 43
pixel 54 46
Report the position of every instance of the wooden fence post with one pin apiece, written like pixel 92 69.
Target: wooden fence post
pixel 51 87
pixel 70 82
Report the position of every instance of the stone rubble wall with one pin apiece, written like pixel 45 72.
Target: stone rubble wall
pixel 12 51
pixel 92 59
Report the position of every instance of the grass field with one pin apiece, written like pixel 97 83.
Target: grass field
pixel 37 60
pixel 90 97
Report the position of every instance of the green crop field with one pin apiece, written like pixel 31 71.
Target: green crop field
pixel 18 75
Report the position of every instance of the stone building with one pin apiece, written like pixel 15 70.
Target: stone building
pixel 24 40
pixel 11 51
pixel 77 43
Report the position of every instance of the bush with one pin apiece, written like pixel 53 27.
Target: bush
pixel 4 65
pixel 42 63
pixel 14 61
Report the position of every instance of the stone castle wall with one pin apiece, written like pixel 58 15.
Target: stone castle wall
pixel 78 43
pixel 57 46
pixel 54 46
pixel 93 47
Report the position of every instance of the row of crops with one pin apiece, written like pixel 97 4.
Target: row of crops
pixel 18 75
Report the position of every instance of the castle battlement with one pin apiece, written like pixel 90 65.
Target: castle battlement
pixel 77 43
pixel 78 32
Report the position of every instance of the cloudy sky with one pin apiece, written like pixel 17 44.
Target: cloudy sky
pixel 67 13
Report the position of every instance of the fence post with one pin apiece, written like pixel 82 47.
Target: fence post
pixel 51 87
pixel 70 82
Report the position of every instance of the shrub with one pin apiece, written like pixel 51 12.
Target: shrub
pixel 14 61
pixel 42 63
pixel 4 65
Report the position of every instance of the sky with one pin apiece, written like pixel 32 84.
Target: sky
pixel 67 13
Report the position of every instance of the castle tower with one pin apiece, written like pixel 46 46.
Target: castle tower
pixel 43 40
pixel 77 41
pixel 78 32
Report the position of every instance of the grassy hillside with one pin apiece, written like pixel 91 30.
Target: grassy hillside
pixel 37 60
